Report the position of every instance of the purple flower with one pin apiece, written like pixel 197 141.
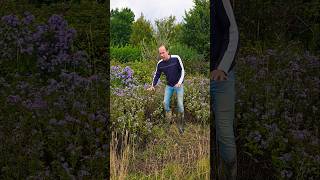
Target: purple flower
pixel 286 174
pixel 255 136
pixel 93 77
pixel 128 71
pixel 79 106
pixel 298 134
pixel 39 103
pixel 28 18
pixel 11 20
pixel 92 117
pixel 13 99
pixel 57 22
pixel 286 157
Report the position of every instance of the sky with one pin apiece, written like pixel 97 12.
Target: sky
pixel 155 9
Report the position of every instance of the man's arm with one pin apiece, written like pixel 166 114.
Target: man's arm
pixel 155 77
pixel 182 71
pixel 230 34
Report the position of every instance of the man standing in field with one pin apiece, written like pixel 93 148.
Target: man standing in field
pixel 172 67
pixel 224 39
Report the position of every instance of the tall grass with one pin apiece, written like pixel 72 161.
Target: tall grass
pixel 167 156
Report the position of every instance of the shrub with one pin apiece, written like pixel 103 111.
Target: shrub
pixel 125 54
pixel 52 110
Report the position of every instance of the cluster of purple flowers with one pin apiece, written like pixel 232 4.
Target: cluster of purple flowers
pixel 59 97
pixel 50 42
pixel 125 74
pixel 275 99
pixel 122 80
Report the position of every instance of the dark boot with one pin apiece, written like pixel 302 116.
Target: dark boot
pixel 228 170
pixel 181 122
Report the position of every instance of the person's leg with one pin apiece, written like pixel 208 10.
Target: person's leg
pixel 180 92
pixel 167 96
pixel 180 99
pixel 223 98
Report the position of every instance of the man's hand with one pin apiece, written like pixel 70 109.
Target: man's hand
pixel 177 85
pixel 151 88
pixel 218 75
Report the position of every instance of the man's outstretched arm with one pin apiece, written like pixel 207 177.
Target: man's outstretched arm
pixel 155 77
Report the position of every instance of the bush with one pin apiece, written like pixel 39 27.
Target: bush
pixel 186 53
pixel 125 54
pixel 52 110
pixel 194 63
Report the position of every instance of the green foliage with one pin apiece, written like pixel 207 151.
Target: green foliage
pixel 165 30
pixel 141 31
pixel 196 30
pixel 279 21
pixel 186 53
pixel 194 63
pixel 121 26
pixel 125 53
pixel 143 70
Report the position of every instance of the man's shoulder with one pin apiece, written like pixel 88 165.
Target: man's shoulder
pixel 176 57
pixel 159 61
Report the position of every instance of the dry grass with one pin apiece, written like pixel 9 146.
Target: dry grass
pixel 168 156
pixel 119 161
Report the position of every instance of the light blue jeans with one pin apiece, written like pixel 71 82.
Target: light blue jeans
pixel 167 96
pixel 223 102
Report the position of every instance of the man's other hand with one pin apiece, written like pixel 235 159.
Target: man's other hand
pixel 218 75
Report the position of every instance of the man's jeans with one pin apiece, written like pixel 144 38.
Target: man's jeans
pixel 167 96
pixel 223 101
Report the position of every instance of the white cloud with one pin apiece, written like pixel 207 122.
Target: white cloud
pixel 155 9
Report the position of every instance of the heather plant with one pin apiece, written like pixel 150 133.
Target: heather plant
pixel 53 110
pixel 277 110
pixel 137 110
pixel 49 46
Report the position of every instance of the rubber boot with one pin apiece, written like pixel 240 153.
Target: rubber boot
pixel 180 122
pixel 228 171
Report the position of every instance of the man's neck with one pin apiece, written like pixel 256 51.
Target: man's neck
pixel 167 58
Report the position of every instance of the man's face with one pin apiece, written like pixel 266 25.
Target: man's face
pixel 164 54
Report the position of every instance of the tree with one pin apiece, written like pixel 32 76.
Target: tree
pixel 141 31
pixel 121 23
pixel 196 29
pixel 166 30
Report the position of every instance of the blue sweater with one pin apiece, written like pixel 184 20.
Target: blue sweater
pixel 224 36
pixel 172 68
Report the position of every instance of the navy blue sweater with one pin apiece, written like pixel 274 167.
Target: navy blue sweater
pixel 224 36
pixel 172 68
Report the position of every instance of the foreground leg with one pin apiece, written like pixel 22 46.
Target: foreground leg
pixel 223 94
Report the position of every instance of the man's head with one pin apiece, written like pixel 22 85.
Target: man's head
pixel 164 53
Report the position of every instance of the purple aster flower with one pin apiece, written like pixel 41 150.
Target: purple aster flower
pixel 11 20
pixel 39 103
pixel 28 18
pixel 92 117
pixel 13 99
pixel 255 136
pixel 286 157
pixel 286 174
pixel 57 22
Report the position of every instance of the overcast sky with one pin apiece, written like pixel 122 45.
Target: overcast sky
pixel 155 9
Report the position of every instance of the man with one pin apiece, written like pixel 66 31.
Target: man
pixel 172 67
pixel 224 39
